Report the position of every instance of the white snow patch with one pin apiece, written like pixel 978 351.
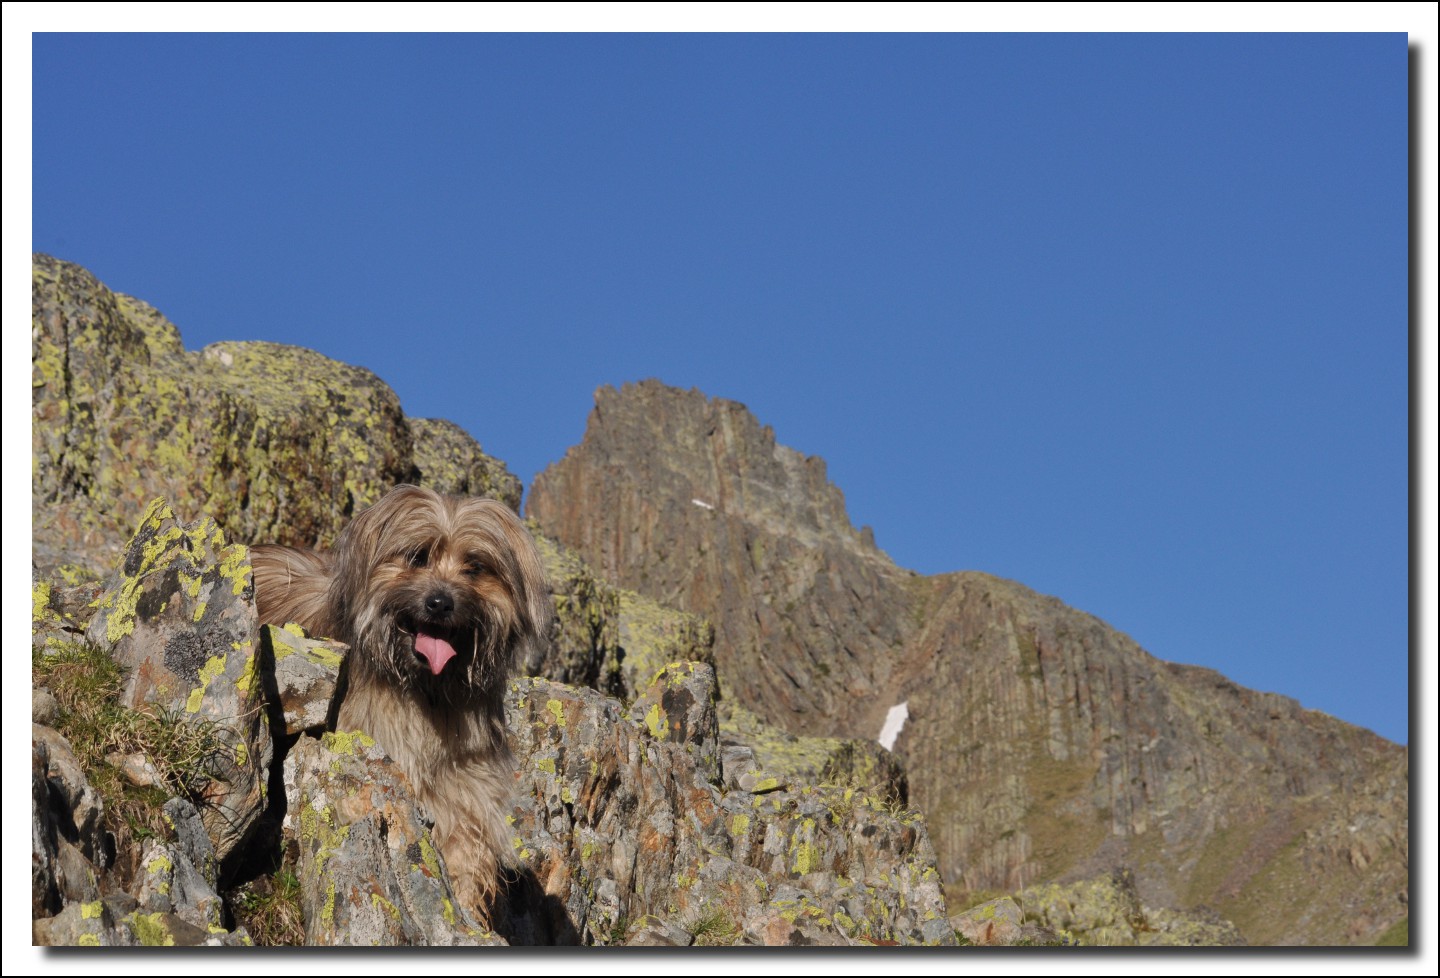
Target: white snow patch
pixel 894 723
pixel 702 504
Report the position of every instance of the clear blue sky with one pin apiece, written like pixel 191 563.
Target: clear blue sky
pixel 1122 317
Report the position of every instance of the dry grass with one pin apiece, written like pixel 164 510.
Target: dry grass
pixel 715 927
pixel 270 909
pixel 87 684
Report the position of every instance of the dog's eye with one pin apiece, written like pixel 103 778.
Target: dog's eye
pixel 474 568
pixel 420 557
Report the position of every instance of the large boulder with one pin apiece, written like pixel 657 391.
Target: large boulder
pixel 369 870
pixel 180 618
pixel 278 444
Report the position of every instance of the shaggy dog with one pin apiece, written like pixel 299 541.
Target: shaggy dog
pixel 438 598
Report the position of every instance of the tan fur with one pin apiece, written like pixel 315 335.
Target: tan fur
pixel 391 574
pixel 290 584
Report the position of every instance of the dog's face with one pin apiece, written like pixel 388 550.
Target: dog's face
pixel 443 593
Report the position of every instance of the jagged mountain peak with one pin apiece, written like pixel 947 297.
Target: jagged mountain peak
pixel 1042 743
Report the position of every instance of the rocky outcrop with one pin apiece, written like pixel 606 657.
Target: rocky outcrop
pixel 369 871
pixel 609 638
pixel 626 824
pixel 693 554
pixel 171 899
pixel 691 502
pixel 625 821
pixel 1042 744
pixel 180 620
pixel 278 444
pixel 1107 912
pixel 447 459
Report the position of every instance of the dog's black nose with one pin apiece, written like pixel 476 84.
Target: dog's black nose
pixel 439 603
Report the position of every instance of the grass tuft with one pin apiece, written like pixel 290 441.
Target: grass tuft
pixel 87 684
pixel 715 927
pixel 271 909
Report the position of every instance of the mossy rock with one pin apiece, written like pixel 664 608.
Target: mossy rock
pixel 278 444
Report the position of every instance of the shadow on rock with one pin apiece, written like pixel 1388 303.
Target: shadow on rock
pixel 530 917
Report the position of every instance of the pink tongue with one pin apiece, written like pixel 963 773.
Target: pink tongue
pixel 436 651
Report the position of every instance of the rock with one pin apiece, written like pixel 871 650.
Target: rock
pixel 76 812
pixel 191 841
pixel 866 765
pixel 169 883
pixel 652 636
pixel 651 931
pixel 138 769
pixel 767 757
pixel 609 638
pixel 691 502
pixel 174 892
pixel 58 614
pixel 305 671
pixel 449 460
pixel 616 825
pixel 180 617
pixel 1107 911
pixel 792 922
pixel 172 900
pixel 369 870
pixel 163 929
pixel 44 858
pixel 996 922
pixel 278 444
pixel 88 924
pixel 585 650
pixel 679 706
pixel 44 709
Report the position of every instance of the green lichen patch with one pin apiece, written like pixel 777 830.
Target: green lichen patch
pixel 150 929
pixel 655 721
pixel 804 854
pixel 213 668
pixel 348 742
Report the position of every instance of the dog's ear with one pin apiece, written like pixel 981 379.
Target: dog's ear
pixel 291 585
pixel 535 598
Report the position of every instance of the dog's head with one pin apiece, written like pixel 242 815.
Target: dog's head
pixel 440 590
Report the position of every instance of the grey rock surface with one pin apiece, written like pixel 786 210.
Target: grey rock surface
pixel 369 870
pixel 180 617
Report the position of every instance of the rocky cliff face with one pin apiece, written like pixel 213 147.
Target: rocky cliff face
pixel 631 824
pixel 1042 744
pixel 691 554
pixel 185 790
pixel 1045 745
pixel 809 614
pixel 277 443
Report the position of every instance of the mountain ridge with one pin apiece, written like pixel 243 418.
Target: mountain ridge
pixel 1042 743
